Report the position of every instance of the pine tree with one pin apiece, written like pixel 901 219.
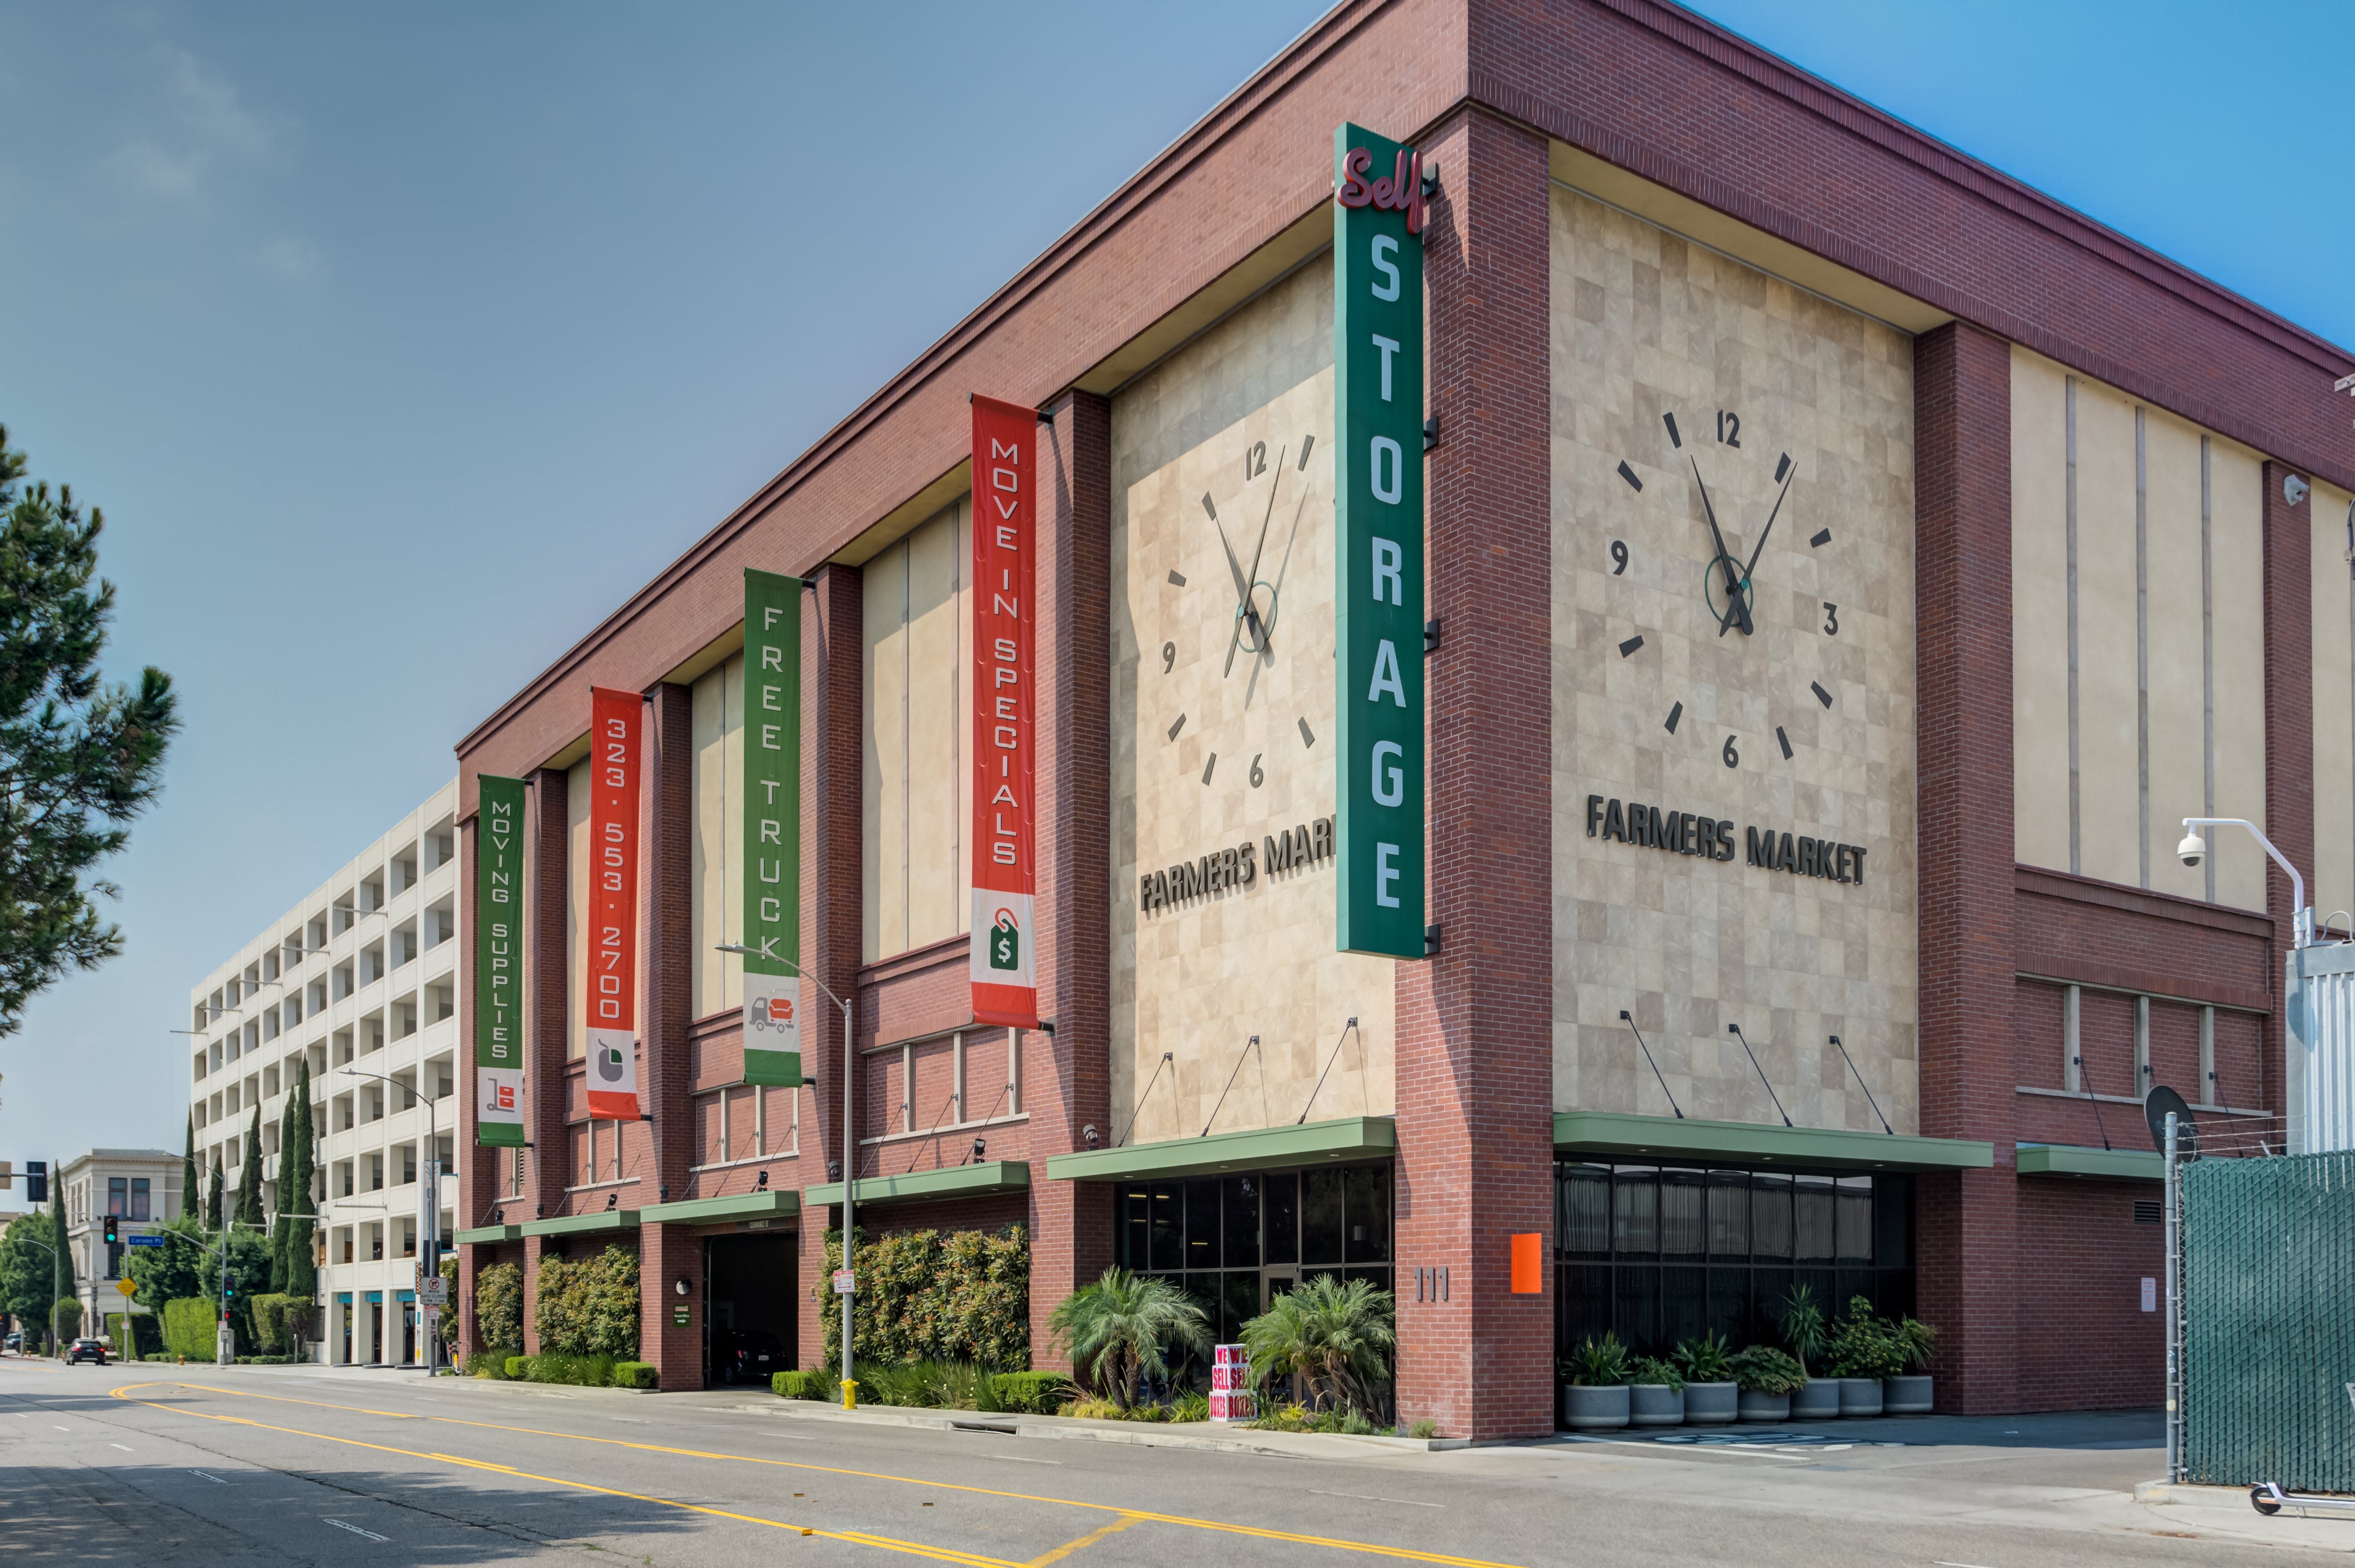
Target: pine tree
pixel 302 1271
pixel 188 1187
pixel 249 1182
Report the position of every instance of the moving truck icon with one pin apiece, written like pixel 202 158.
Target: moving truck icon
pixel 772 1013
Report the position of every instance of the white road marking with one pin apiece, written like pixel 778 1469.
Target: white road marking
pixel 1363 1498
pixel 356 1529
pixel 1945 1564
pixel 213 1478
pixel 628 1420
pixel 124 1447
pixel 1001 1458
pixel 65 1429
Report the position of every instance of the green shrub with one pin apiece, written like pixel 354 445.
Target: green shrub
pixel 188 1328
pixel 518 1368
pixel 1863 1345
pixel 1762 1369
pixel 635 1374
pixel 1917 1344
pixel 489 1364
pixel 1652 1370
pixel 1337 1337
pixel 498 1307
pixel 1597 1363
pixel 578 1372
pixel 1190 1406
pixel 589 1309
pixel 814 1383
pixel 278 1320
pixel 1425 1429
pixel 1705 1360
pixel 930 1295
pixel 1802 1322
pixel 915 1384
pixel 1030 1393
pixel 65 1318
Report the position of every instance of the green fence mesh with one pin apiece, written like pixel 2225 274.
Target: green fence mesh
pixel 2269 1321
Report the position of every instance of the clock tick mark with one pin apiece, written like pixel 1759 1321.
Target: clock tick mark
pixel 1208 506
pixel 1674 714
pixel 1180 724
pixel 1785 741
pixel 1177 579
pixel 1782 467
pixel 1821 695
pixel 1627 648
pixel 1307 737
pixel 1629 474
pixel 1214 762
pixel 1307 445
pixel 1823 536
pixel 1673 438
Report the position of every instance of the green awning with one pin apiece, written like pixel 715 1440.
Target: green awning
pixel 2113 1164
pixel 487 1235
pixel 575 1224
pixel 1615 1135
pixel 777 1205
pixel 1262 1149
pixel 956 1181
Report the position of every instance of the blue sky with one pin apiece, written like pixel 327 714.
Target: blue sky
pixel 399 344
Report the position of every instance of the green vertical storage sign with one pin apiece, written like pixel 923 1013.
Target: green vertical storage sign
pixel 773 829
pixel 498 961
pixel 1377 532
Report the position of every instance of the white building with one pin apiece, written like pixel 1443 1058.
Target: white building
pixel 139 1188
pixel 361 978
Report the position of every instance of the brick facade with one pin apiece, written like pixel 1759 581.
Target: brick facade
pixel 1491 91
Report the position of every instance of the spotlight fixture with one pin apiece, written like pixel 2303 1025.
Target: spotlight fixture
pixel 681 1285
pixel 763 1185
pixel 978 1145
pixel 612 1201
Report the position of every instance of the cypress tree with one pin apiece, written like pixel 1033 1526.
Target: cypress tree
pixel 64 1268
pixel 213 1215
pixel 188 1189
pixel 248 1183
pixel 302 1272
pixel 279 1229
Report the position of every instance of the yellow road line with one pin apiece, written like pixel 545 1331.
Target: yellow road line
pixel 1255 1531
pixel 1089 1539
pixel 855 1537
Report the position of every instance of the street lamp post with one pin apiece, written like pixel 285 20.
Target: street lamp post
pixel 849 1150
pixel 2193 846
pixel 2296 1018
pixel 429 1240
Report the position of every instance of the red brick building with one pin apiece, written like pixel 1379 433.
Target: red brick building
pixel 1845 569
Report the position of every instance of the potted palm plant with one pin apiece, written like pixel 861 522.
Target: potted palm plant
pixel 1767 1378
pixel 1655 1392
pixel 1114 1331
pixel 1804 1331
pixel 1864 1350
pixel 1595 1396
pixel 1908 1392
pixel 1711 1397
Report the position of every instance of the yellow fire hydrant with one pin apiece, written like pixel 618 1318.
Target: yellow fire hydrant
pixel 849 1394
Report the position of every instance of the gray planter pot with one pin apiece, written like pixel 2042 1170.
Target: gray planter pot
pixel 1592 1409
pixel 1765 1407
pixel 1907 1395
pixel 1655 1405
pixel 1710 1405
pixel 1860 1396
pixel 1817 1400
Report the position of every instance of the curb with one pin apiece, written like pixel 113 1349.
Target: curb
pixel 1143 1434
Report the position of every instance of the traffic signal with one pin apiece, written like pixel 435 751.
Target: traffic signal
pixel 112 1234
pixel 37 1181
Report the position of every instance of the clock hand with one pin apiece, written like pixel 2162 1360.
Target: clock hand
pixel 1735 609
pixel 1258 552
pixel 1765 531
pixel 1242 588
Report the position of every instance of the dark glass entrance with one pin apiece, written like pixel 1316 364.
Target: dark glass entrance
pixel 1663 1253
pixel 749 1329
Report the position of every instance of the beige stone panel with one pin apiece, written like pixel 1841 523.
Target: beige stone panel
pixel 883 778
pixel 2108 760
pixel 1643 323
pixel 2237 602
pixel 716 835
pixel 2040 612
pixel 2334 709
pixel 2177 643
pixel 1198 979
pixel 936 682
pixel 576 909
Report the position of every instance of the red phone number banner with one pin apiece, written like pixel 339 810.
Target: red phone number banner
pixel 1005 454
pixel 612 992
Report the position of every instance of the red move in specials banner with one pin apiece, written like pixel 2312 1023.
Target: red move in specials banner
pixel 1005 978
pixel 612 982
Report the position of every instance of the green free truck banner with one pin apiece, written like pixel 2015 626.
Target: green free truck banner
pixel 498 961
pixel 1378 535
pixel 773 829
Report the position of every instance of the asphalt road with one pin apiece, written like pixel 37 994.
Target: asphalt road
pixel 164 1465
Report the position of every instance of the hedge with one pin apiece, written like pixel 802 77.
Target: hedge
pixel 962 1295
pixel 801 1385
pixel 518 1367
pixel 635 1374
pixel 188 1327
pixel 278 1320
pixel 589 1309
pixel 139 1339
pixel 1030 1393
pixel 498 1307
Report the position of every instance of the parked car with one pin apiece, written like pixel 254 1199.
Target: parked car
pixel 747 1355
pixel 13 1344
pixel 86 1350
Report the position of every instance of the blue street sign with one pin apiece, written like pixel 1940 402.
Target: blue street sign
pixel 145 1240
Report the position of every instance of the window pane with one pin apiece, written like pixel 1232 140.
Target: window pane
pixel 1135 1251
pixel 1581 1304
pixel 1635 1213
pixel 117 1192
pixel 1728 1214
pixel 1202 1227
pixel 1638 1295
pixel 1681 1205
pixel 1366 1195
pixel 1854 1235
pixel 1283 1217
pixel 1729 1304
pixel 1812 1217
pixel 1320 1216
pixel 1239 1306
pixel 1583 1211
pixel 1684 1303
pixel 1893 1209
pixel 1769 1217
pixel 139 1198
pixel 1768 1288
pixel 1240 1195
pixel 1168 1229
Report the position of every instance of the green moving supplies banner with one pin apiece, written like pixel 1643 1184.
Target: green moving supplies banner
pixel 1378 534
pixel 773 829
pixel 498 961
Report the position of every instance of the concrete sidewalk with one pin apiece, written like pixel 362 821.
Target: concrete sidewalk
pixel 2227 1511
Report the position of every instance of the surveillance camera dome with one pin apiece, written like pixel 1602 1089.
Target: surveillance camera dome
pixel 2191 848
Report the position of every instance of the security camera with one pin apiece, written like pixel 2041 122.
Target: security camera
pixel 2191 848
pixel 2294 489
pixel 1090 1133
